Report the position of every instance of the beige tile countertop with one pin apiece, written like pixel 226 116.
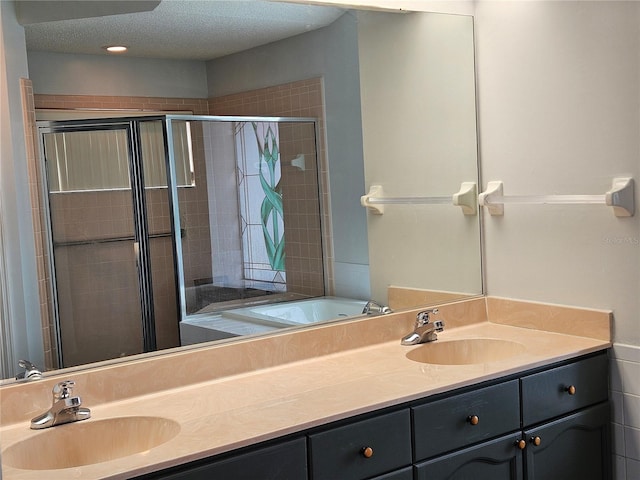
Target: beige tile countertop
pixel 344 369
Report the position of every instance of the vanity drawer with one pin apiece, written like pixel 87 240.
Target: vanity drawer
pixel 564 389
pixel 465 419
pixel 340 452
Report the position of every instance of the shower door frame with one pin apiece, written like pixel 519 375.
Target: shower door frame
pixel 131 125
pixel 173 189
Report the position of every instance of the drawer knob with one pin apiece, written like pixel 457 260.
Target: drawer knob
pixel 521 444
pixel 473 419
pixel 367 452
pixel 571 390
pixel 536 441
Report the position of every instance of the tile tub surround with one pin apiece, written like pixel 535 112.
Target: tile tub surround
pixel 297 380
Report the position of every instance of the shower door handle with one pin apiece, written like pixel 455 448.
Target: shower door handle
pixel 136 253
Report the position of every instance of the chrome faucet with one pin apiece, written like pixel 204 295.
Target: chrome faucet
pixel 31 372
pixel 424 331
pixel 374 307
pixel 65 409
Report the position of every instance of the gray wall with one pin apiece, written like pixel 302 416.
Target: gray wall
pixel 17 240
pixel 71 74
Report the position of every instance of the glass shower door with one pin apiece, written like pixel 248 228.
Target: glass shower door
pixel 95 248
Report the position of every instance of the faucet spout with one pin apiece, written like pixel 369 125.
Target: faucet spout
pixel 65 408
pixel 375 307
pixel 424 330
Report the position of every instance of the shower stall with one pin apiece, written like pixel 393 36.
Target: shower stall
pixel 154 219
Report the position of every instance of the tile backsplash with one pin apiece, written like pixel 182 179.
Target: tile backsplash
pixel 625 396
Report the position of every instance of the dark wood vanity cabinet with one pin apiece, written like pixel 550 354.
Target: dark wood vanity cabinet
pixel 562 431
pixel 547 424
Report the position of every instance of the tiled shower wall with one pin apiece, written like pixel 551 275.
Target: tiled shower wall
pixel 198 106
pixel 625 396
pixel 305 236
pixel 194 216
pixel 300 199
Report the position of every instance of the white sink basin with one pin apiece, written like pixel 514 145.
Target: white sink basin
pixel 466 351
pixel 88 442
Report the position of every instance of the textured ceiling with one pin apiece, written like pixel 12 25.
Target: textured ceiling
pixel 183 29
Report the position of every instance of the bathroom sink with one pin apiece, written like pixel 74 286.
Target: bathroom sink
pixel 466 351
pixel 88 442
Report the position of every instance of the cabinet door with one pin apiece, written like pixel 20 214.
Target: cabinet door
pixel 499 459
pixel 285 461
pixel 576 446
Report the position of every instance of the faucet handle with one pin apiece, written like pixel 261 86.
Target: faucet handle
pixel 63 390
pixel 31 372
pixel 423 317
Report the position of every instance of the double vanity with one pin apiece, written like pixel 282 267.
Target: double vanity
pixel 510 389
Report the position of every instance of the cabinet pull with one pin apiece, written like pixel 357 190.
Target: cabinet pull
pixel 571 390
pixel 473 419
pixel 521 444
pixel 367 452
pixel 536 441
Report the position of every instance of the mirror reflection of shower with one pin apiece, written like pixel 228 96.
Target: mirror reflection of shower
pixel 261 241
pixel 244 198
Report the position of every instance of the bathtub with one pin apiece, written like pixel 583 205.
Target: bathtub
pixel 266 318
pixel 303 312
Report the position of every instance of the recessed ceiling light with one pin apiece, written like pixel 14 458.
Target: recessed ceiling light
pixel 116 48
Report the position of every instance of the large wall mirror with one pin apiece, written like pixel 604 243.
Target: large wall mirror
pixel 354 98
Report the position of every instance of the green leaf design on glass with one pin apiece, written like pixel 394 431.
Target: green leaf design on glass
pixel 271 211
